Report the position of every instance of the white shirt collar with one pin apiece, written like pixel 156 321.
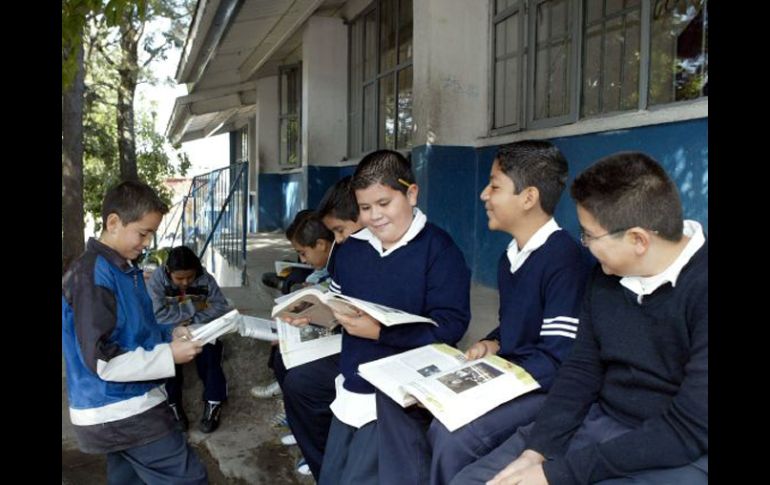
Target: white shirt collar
pixel 418 222
pixel 518 257
pixel 646 285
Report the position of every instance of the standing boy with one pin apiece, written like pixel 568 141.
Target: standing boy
pixel 631 400
pixel 541 277
pixel 402 261
pixel 116 354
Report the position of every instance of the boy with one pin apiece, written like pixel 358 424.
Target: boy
pixel 540 278
pixel 182 292
pixel 402 261
pixel 632 398
pixel 117 355
pixel 308 390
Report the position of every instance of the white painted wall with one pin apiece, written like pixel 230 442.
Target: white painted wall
pixel 451 66
pixel 324 91
pixel 267 125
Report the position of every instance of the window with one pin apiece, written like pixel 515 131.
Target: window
pixel 631 55
pixel 380 85
pixel 290 109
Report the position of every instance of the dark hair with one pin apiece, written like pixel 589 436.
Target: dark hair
pixel 535 163
pixel 339 201
pixel 182 258
pixel 306 229
pixel 630 189
pixel 386 167
pixel 131 200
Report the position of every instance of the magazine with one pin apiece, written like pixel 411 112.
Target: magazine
pixel 258 328
pixel 281 266
pixel 455 390
pixel 317 306
pixel 209 332
pixel 300 345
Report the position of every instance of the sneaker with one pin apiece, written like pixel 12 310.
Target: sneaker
pixel 180 417
pixel 302 467
pixel 288 440
pixel 279 420
pixel 272 280
pixel 270 390
pixel 210 420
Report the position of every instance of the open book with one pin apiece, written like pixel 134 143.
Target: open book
pixel 209 332
pixel 258 328
pixel 281 266
pixel 300 345
pixel 455 390
pixel 317 306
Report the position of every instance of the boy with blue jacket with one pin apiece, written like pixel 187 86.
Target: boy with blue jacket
pixel 630 403
pixel 402 261
pixel 117 356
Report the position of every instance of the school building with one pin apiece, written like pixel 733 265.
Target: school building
pixel 305 88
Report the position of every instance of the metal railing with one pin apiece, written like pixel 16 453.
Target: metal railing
pixel 214 212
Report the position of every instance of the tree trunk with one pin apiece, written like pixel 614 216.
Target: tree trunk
pixel 128 71
pixel 72 166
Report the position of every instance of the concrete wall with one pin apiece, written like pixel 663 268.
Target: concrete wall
pixel 324 91
pixel 267 125
pixel 450 71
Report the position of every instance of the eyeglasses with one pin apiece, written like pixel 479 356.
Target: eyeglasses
pixel 585 239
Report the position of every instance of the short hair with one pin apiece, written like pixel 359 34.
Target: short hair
pixel 535 163
pixel 306 229
pixel 386 167
pixel 630 189
pixel 182 258
pixel 339 201
pixel 131 200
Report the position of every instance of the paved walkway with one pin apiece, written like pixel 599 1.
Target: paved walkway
pixel 246 447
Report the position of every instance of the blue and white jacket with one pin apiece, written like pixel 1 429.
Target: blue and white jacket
pixel 116 355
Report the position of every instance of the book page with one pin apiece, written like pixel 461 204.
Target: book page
pixel 209 332
pixel 389 374
pixel 307 303
pixel 386 315
pixel 259 328
pixel 299 345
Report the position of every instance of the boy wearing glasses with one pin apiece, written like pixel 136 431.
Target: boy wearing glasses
pixel 541 277
pixel 631 400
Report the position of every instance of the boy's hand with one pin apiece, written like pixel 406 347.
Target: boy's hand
pixel 296 321
pixel 361 325
pixel 481 349
pixel 182 331
pixel 527 469
pixel 185 350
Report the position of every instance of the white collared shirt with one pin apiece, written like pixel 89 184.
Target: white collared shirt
pixel 646 285
pixel 418 222
pixel 517 256
pixel 353 408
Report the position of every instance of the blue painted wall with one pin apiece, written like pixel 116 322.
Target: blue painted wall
pixel 451 179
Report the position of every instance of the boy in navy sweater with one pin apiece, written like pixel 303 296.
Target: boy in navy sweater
pixel 117 356
pixel 631 400
pixel 402 261
pixel 541 277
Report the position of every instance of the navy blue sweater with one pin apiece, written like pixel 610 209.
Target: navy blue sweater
pixel 426 277
pixel 539 306
pixel 647 366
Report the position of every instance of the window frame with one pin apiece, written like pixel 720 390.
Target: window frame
pixel 283 162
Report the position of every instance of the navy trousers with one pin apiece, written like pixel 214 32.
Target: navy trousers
pixel 452 451
pixel 209 366
pixel 167 461
pixel 308 391
pixel 402 442
pixel 597 427
pixel 351 455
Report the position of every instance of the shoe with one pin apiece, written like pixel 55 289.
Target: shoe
pixel 180 417
pixel 270 390
pixel 272 280
pixel 279 420
pixel 302 467
pixel 210 420
pixel 288 440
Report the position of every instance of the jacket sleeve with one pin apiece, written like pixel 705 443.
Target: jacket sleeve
pixel 447 301
pixel 167 310
pixel 675 438
pixel 562 290
pixel 216 303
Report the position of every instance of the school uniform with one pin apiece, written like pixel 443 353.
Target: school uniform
pixel 630 404
pixel 541 287
pixel 425 274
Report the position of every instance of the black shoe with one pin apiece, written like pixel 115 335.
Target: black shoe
pixel 180 417
pixel 210 420
pixel 272 280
